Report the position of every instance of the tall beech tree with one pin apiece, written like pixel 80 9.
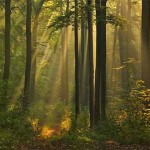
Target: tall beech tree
pixel 64 60
pixel 84 84
pixel 26 99
pixel 113 72
pixel 7 46
pixel 98 62
pixel 146 42
pixel 103 61
pixel 100 76
pixel 82 52
pixel 124 47
pixel 91 66
pixel 34 47
pixel 64 66
pixel 133 72
pixel 77 104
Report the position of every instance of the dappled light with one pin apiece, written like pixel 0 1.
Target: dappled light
pixel 47 132
pixel 75 75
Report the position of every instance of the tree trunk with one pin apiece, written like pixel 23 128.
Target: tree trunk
pixel 34 49
pixel 123 49
pixel 113 72
pixel 83 59
pixel 64 64
pixel 28 57
pixel 103 61
pixel 91 68
pixel 98 62
pixel 77 104
pixel 100 76
pixel 7 47
pixel 133 68
pixel 146 42
pixel 64 68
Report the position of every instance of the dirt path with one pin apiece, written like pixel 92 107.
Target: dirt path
pixel 95 145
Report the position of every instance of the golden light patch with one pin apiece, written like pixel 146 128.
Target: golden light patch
pixel 66 124
pixel 47 132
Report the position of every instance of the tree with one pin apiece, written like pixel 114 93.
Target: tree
pixel 113 72
pixel 7 46
pixel 98 55
pixel 83 58
pixel 131 47
pixel 146 42
pixel 123 49
pixel 26 99
pixel 103 59
pixel 100 76
pixel 64 64
pixel 91 68
pixel 34 47
pixel 77 104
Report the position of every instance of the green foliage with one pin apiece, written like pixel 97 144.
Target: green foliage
pixel 5 87
pixel 7 140
pixel 136 104
pixel 63 20
pixel 131 122
pixel 116 20
pixel 136 124
pixel 15 129
pixel 50 115
pixel 83 122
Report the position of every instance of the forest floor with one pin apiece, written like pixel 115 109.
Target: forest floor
pixel 82 145
pixel 52 140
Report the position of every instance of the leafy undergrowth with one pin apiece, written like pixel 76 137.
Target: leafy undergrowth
pixel 80 144
pixel 128 129
pixel 52 139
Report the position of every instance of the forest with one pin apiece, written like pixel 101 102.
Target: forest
pixel 74 74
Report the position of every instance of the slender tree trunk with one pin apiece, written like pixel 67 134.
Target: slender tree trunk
pixel 133 73
pixel 100 76
pixel 83 58
pixel 77 104
pixel 123 49
pixel 7 47
pixel 82 34
pixel 98 62
pixel 91 68
pixel 86 72
pixel 28 57
pixel 113 58
pixel 33 55
pixel 146 42
pixel 114 49
pixel 129 31
pixel 64 69
pixel 34 48
pixel 103 61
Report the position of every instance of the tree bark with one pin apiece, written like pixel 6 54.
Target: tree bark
pixel 146 42
pixel 7 47
pixel 98 62
pixel 113 72
pixel 103 62
pixel 28 57
pixel 64 64
pixel 100 76
pixel 34 48
pixel 123 49
pixel 83 59
pixel 64 68
pixel 77 104
pixel 91 68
